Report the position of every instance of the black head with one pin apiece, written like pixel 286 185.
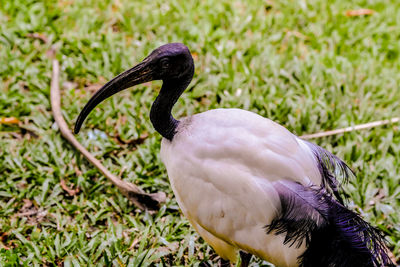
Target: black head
pixel 170 62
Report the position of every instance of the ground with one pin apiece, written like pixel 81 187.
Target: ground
pixel 309 65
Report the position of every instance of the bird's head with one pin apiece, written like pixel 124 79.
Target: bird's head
pixel 170 62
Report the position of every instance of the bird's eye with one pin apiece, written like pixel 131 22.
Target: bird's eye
pixel 164 63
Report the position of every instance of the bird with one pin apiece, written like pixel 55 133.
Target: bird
pixel 246 184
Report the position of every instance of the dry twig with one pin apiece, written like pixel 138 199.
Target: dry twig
pixel 359 12
pixel 351 128
pixel 131 191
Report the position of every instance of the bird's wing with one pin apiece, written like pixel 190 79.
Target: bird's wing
pixel 334 235
pixel 304 162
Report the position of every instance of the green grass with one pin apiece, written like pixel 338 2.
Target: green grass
pixel 301 63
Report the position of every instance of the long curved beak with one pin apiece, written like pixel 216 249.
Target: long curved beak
pixel 141 73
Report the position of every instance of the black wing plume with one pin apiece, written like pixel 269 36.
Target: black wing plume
pixel 335 236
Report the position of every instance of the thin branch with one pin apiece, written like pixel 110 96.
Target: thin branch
pixel 131 191
pixel 352 128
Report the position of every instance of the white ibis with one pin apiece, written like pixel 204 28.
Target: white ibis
pixel 246 183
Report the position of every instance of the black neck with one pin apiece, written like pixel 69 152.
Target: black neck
pixel 160 114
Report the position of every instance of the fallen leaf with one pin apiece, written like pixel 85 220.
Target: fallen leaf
pixel 359 12
pixel 9 120
pixel 71 192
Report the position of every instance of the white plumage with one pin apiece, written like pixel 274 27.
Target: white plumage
pixel 222 165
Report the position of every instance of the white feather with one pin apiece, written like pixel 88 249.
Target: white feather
pixel 222 165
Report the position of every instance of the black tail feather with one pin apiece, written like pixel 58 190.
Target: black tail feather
pixel 334 235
